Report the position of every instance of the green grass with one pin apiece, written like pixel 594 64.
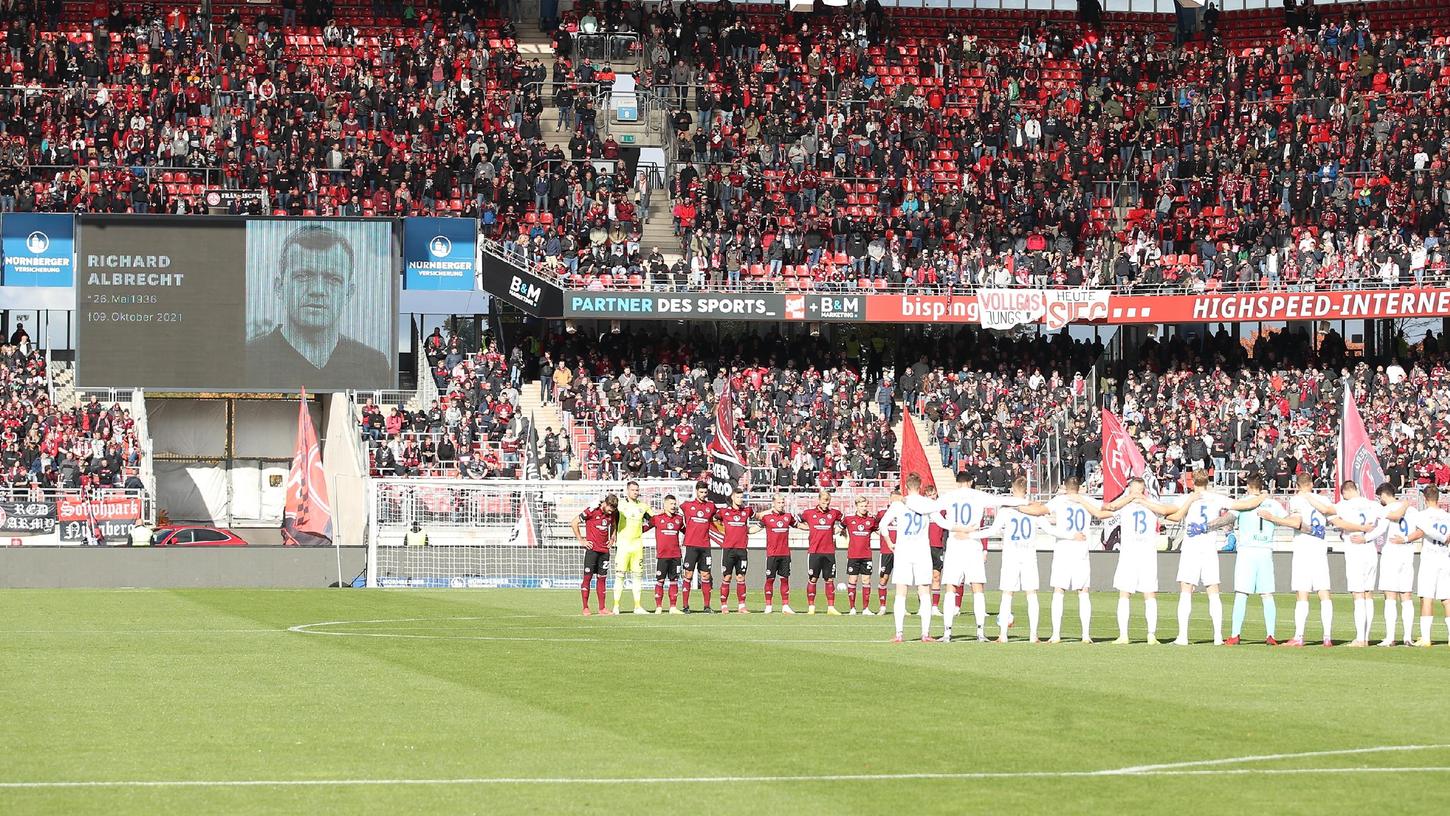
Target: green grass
pixel 211 686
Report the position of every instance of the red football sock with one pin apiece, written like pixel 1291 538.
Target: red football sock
pixel 961 593
pixel 687 592
pixel 830 593
pixel 769 591
pixel 881 597
pixel 659 593
pixel 851 594
pixel 740 591
pixel 674 594
pixel 706 589
pixel 725 593
pixel 811 592
pixel 936 597
pixel 785 591
pixel 599 590
pixel 584 589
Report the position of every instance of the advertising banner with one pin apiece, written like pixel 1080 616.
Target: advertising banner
pixel 27 517
pixel 225 303
pixel 650 306
pixel 829 308
pixel 39 249
pixel 993 308
pixel 112 518
pixel 440 254
pixel 532 294
pixel 1279 306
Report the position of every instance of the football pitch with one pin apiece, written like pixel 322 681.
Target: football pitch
pixel 507 701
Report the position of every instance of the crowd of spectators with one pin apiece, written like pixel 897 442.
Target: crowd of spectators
pixel 999 404
pixel 808 412
pixel 838 149
pixel 845 149
pixel 812 412
pixel 473 430
pixel 1274 408
pixel 44 446
pixel 427 110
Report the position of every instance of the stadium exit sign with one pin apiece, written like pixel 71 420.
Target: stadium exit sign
pixel 626 138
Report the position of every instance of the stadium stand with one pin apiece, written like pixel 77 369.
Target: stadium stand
pixel 926 150
pixel 43 446
pixel 814 414
pixel 952 148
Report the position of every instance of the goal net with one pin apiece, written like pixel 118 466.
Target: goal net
pixel 489 534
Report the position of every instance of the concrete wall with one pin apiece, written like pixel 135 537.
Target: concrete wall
pixel 176 567
pixel 1103 565
pixel 180 567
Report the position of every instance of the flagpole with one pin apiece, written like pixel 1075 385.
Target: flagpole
pixel 336 537
pixel 1339 470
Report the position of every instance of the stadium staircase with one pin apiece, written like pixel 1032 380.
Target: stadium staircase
pixel 63 385
pixel 544 415
pixel 942 476
pixel 657 227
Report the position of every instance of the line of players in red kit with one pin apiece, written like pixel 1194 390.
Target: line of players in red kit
pixel 683 539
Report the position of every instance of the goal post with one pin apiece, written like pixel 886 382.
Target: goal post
pixel 489 533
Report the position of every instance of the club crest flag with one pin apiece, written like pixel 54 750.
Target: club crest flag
pixel 1122 459
pixel 306 516
pixel 1357 460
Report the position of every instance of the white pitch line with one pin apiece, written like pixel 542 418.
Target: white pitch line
pixel 110 632
pixel 699 780
pixel 320 629
pixel 1379 749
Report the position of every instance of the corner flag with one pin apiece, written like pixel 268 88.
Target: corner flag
pixel 1357 461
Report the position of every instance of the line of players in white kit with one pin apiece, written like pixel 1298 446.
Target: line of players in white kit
pixel 1378 538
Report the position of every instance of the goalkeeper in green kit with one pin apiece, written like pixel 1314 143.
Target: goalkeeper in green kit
pixel 629 540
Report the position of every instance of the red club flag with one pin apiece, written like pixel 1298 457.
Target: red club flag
pixel 307 516
pixel 1357 461
pixel 913 456
pixel 1122 460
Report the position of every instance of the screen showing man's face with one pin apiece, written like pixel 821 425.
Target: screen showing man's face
pixel 315 285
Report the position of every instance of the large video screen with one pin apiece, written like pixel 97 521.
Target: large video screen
pixel 234 304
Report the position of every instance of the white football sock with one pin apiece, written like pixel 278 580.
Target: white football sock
pixel 1425 621
pixel 1326 617
pixel 898 610
pixel 1389 618
pixel 1150 611
pixel 948 608
pixel 1301 617
pixel 1363 617
pixel 1056 615
pixel 1085 612
pixel 979 609
pixel 1185 607
pixel 1407 614
pixel 1033 613
pixel 1004 613
pixel 1215 614
pixel 924 593
pixel 1122 617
